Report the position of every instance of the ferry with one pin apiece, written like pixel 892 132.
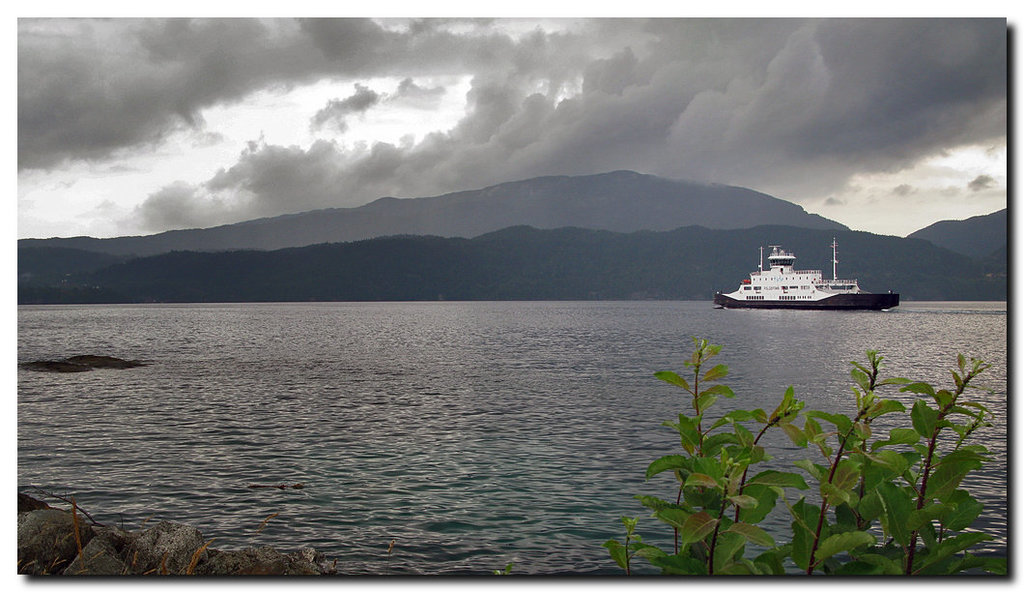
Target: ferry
pixel 781 286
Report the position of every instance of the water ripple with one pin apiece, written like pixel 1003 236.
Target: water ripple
pixel 473 434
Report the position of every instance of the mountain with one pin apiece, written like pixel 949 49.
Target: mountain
pixel 978 237
pixel 621 201
pixel 523 263
pixel 49 265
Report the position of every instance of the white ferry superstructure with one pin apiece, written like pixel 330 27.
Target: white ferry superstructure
pixel 781 286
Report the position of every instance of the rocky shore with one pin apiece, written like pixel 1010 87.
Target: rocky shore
pixel 52 541
pixel 83 363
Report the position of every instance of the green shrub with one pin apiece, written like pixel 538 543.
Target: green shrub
pixel 886 504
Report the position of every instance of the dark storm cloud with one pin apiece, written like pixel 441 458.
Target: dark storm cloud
pixel 981 182
pixel 337 110
pixel 89 88
pixel 413 95
pixel 794 104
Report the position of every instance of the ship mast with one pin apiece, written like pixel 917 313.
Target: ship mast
pixel 760 261
pixel 834 261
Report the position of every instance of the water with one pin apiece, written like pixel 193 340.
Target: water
pixel 471 434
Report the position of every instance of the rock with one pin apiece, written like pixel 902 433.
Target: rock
pixel 103 362
pixel 46 546
pixel 166 548
pixel 46 541
pixel 80 364
pixel 264 561
pixel 54 366
pixel 101 557
pixel 27 504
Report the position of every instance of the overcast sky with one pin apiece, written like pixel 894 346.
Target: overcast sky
pixel 139 126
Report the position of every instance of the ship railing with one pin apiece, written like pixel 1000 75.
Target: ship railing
pixel 794 272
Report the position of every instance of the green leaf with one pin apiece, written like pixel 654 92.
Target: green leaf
pixel 832 495
pixel 689 436
pixel 843 542
pixel 719 371
pixel 897 506
pixel 654 503
pixel 924 419
pixel 646 551
pixel 770 562
pixel 870 506
pixel 728 546
pixel 843 423
pixel 668 463
pixel 984 410
pixel 705 401
pixel 779 479
pixel 846 519
pixel 766 498
pixel 744 502
pixel 743 415
pixel 803 534
pixel 811 428
pixel 673 378
pixel 787 401
pixel 816 471
pixel 618 552
pixel 894 380
pixel 861 378
pixel 679 565
pixel 951 546
pixel 700 480
pixel 674 517
pixel 859 568
pixel 846 474
pixel 966 510
pixel 796 435
pixel 932 511
pixel 743 436
pixel 948 475
pixel 719 389
pixel 895 462
pixel 943 398
pixel 696 527
pixel 921 388
pixel 993 565
pixel 871 564
pixel 880 408
pixel 714 443
pixel 754 534
pixel 897 436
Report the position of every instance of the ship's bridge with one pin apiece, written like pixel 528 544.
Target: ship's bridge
pixel 780 258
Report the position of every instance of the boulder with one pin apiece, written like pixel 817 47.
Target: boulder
pixel 166 548
pixel 101 557
pixel 264 561
pixel 103 362
pixel 54 366
pixel 46 541
pixel 82 363
pixel 47 546
pixel 27 504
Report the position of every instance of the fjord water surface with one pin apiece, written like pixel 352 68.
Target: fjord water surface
pixel 473 434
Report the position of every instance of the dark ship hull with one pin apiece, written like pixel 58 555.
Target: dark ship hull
pixel 861 301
